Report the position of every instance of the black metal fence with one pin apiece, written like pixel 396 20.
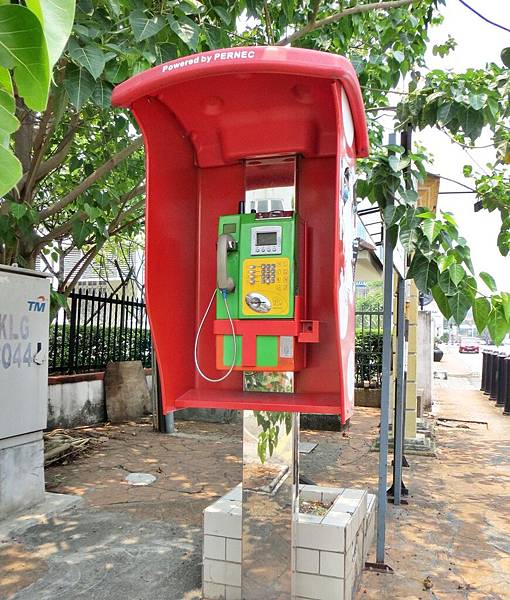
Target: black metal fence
pixel 96 330
pixel 369 348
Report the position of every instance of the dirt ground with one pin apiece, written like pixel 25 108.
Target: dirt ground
pixel 143 543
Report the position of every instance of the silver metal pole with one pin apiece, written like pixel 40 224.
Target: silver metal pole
pixel 270 505
pixel 398 425
pixel 385 391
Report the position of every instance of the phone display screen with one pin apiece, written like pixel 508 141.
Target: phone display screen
pixel 267 238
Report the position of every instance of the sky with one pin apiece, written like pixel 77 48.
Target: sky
pixel 477 44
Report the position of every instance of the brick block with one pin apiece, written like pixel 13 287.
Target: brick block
pixel 214 547
pixel 213 591
pixel 320 536
pixel 220 523
pixel 218 571
pixel 233 552
pixel 317 587
pixel 332 564
pixel 307 561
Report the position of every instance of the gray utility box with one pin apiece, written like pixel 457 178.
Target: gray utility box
pixel 24 327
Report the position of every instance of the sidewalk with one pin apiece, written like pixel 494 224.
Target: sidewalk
pixel 455 533
pixel 144 543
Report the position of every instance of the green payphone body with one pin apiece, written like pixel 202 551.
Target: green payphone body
pixel 256 264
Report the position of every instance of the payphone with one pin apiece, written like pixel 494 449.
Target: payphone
pixel 257 279
pixel 270 288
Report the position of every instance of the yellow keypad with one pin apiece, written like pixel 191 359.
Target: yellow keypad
pixel 269 277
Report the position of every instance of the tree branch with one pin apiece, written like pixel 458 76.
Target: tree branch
pixel 354 10
pixel 267 19
pixel 74 275
pixel 64 228
pixel 37 170
pixel 105 168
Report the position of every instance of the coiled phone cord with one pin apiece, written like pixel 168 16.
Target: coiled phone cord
pixel 223 377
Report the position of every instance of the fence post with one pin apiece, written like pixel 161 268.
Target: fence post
pixel 72 335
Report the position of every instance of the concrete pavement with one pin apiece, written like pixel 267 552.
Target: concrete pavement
pixel 144 543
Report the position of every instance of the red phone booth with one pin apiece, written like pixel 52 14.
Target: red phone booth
pixel 250 214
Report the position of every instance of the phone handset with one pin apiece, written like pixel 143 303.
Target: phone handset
pixel 225 285
pixel 226 243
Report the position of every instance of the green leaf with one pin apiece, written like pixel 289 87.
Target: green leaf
pixel 79 85
pixel 81 231
pixel 467 170
pixel 477 101
pixel 505 297
pixel 408 237
pixel 481 311
pixel 187 30
pixel 459 305
pixel 505 57
pixel 8 122
pixel 143 27
pixel 489 281
pixel 409 196
pixel 56 18
pixel 428 229
pixel 448 217
pixel 457 273
pixel 424 272
pixel 497 325
pixel 102 94
pixel 446 284
pixel 223 14
pixel 6 83
pixel 10 170
pixel 441 301
pixel 116 71
pixel 445 261
pixel 23 48
pixel 444 113
pixel 91 57
pixel 17 210
pixel 392 233
pixel 392 214
pixel 397 164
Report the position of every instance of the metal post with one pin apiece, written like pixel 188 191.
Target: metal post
pixel 398 425
pixel 501 389
pixel 484 371
pixel 488 376
pixel 494 376
pixel 385 394
pixel 506 409
pixel 270 504
pixel 72 335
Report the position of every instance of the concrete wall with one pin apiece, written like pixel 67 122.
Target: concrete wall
pixel 367 397
pixel 425 358
pixel 75 400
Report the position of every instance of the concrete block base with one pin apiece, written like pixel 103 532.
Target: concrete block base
pixel 21 473
pixel 422 445
pixel 330 550
pixel 39 514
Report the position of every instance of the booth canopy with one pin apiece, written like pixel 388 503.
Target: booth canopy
pixel 237 103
